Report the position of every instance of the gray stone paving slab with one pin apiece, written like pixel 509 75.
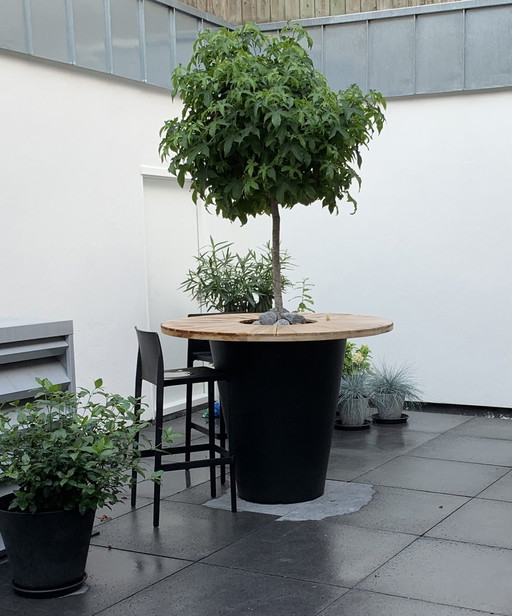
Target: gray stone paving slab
pixel 364 603
pixel 112 576
pixel 318 551
pixel 203 590
pixel 448 572
pixel 431 475
pixel 403 511
pixel 482 427
pixel 186 531
pixel 467 449
pixel 433 422
pixel 500 490
pixel 487 522
pixel 380 439
pixel 347 465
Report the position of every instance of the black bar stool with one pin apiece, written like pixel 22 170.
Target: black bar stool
pixel 150 368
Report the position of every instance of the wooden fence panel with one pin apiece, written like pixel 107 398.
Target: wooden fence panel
pixel 262 11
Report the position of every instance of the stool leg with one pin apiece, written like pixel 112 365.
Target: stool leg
pixel 211 436
pixel 222 427
pixel 188 421
pixel 134 476
pixel 159 420
pixel 232 480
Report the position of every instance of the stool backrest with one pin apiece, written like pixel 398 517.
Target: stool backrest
pixel 150 360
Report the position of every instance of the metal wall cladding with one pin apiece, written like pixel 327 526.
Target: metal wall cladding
pixel 346 55
pixel 439 52
pixel 157 31
pixel 126 47
pixel 49 22
pixel 90 29
pixel 13 21
pixel 488 47
pixel 391 56
pixel 438 48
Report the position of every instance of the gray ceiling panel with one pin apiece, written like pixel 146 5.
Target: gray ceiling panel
pixel 391 56
pixel 346 60
pixel 488 47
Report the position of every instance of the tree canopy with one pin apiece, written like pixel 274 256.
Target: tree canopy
pixel 259 123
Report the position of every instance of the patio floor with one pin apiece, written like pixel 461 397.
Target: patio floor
pixel 434 540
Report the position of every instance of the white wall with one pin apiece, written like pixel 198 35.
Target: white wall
pixel 86 236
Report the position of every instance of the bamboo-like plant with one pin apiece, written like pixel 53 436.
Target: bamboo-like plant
pixel 261 129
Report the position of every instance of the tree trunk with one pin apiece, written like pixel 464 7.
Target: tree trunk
pixel 276 256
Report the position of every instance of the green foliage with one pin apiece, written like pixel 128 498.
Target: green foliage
pixel 305 298
pixel 260 125
pixel 356 359
pixel 66 450
pixel 225 281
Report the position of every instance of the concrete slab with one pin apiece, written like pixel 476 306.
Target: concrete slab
pixel 486 428
pixel 500 490
pixel 430 475
pixel 113 575
pixel 467 449
pixel 186 531
pixel 363 603
pixel 485 522
pixel 318 551
pixel 448 572
pixel 403 511
pixel 204 590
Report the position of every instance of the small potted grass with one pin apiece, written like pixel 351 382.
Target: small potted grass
pixel 389 388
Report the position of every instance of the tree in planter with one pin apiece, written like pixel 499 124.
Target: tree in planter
pixel 261 129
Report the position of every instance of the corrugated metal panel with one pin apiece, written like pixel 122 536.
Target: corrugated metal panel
pixel 157 28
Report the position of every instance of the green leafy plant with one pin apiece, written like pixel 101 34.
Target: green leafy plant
pixel 228 282
pixel 261 129
pixel 66 450
pixel 305 298
pixel 356 359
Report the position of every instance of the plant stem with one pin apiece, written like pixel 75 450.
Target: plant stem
pixel 276 257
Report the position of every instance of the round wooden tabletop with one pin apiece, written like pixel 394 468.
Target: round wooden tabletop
pixel 242 327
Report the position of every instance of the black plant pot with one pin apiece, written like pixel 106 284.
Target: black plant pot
pixel 47 551
pixel 280 412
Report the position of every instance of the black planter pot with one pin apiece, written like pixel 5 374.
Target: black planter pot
pixel 280 413
pixel 47 551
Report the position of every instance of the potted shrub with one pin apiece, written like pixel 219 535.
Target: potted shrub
pixel 261 130
pixel 389 388
pixel 68 453
pixel 353 406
